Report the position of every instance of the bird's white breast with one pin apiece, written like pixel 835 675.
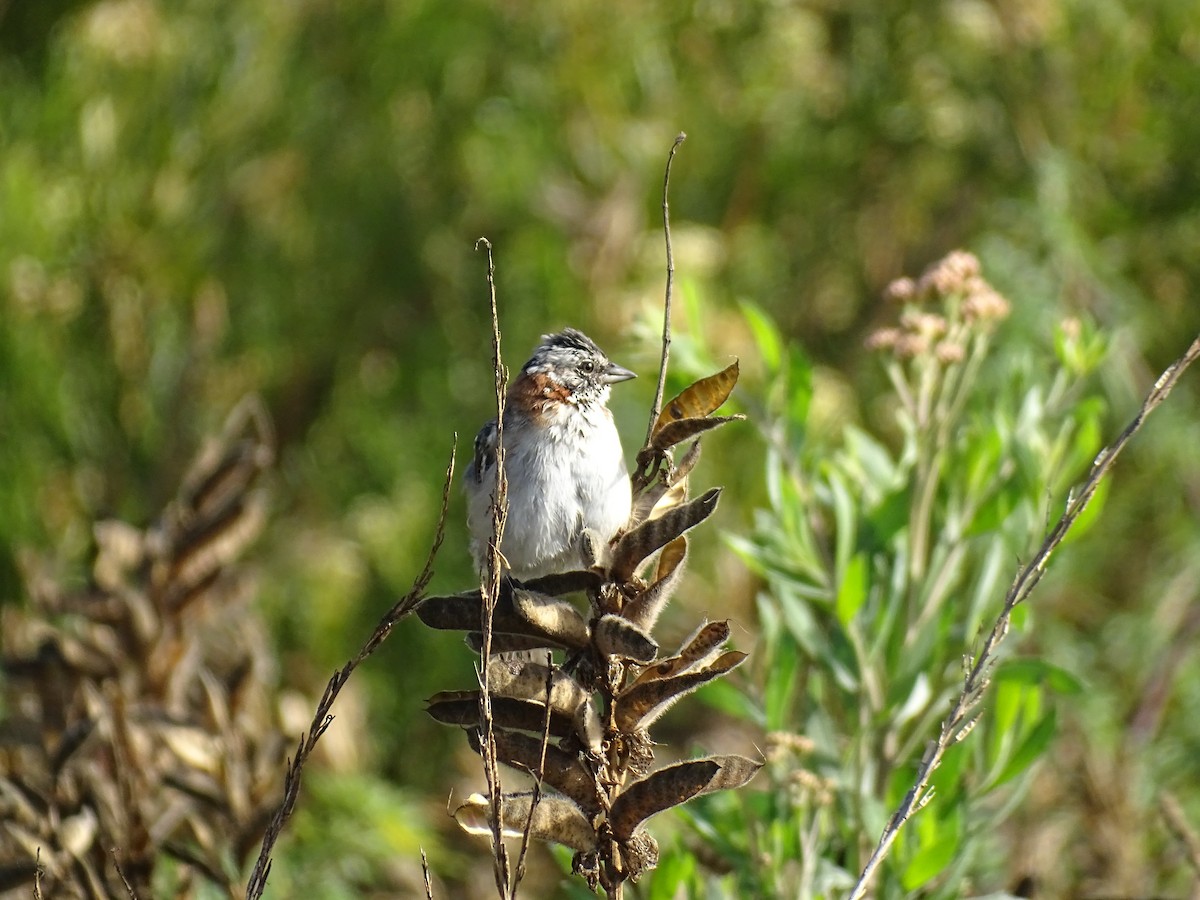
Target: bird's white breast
pixel 565 473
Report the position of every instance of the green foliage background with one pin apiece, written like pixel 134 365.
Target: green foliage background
pixel 204 198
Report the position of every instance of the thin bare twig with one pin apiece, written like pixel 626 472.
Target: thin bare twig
pixel 322 717
pixel 538 776
pixel 37 875
pixel 129 891
pixel 666 335
pixel 425 874
pixel 491 596
pixel 962 715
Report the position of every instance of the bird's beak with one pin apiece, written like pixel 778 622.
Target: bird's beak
pixel 615 373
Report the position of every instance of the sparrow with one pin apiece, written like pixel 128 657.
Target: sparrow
pixel 563 461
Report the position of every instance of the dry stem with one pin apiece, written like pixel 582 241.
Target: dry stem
pixel 491 596
pixel 322 717
pixel 666 335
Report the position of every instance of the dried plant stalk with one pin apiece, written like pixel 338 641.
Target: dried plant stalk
pixel 579 725
pixel 139 722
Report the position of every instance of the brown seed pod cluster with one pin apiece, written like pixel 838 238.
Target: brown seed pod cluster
pixel 137 719
pixel 575 687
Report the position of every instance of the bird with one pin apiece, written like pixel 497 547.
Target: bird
pixel 564 463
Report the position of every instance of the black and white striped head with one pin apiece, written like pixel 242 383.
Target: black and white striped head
pixel 571 362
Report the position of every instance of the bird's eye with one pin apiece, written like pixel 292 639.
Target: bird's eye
pixel 587 367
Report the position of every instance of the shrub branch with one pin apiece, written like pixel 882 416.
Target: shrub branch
pixel 963 714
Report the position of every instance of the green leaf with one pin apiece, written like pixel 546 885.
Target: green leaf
pixel 844 518
pixel 939 843
pixel 766 335
pixel 1090 514
pixel 781 684
pixel 945 778
pixel 799 386
pixel 1034 671
pixel 1011 700
pixel 852 589
pixel 1031 748
pixel 995 510
pixel 887 519
pixel 872 458
pixel 671 877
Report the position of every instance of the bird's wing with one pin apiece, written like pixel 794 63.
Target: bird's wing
pixel 485 451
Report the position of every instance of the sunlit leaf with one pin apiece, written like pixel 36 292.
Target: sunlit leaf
pixel 852 590
pixel 1033 671
pixel 1091 513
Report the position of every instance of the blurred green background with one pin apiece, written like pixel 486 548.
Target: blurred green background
pixel 199 199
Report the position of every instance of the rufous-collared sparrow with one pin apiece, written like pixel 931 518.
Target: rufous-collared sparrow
pixel 563 460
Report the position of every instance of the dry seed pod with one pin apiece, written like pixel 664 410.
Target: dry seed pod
pixel 552 617
pixel 657 499
pixel 698 651
pixel 120 549
pixel 700 399
pixel 591 548
pixel 207 545
pixel 564 583
pixel 677 784
pixel 167 734
pixel 564 771
pixel 686 464
pixel 554 819
pixel 640 704
pixel 464 612
pixel 527 681
pixel 673 433
pixel 639 543
pixel 508 643
pixel 615 636
pixel 644 609
pixel 638 855
pixel 462 708
pixel 229 464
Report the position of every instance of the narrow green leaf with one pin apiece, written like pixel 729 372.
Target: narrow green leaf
pixel 781 684
pixel 1034 671
pixel 675 872
pixel 852 590
pixel 1090 514
pixel 935 854
pixel 766 335
pixel 1031 748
